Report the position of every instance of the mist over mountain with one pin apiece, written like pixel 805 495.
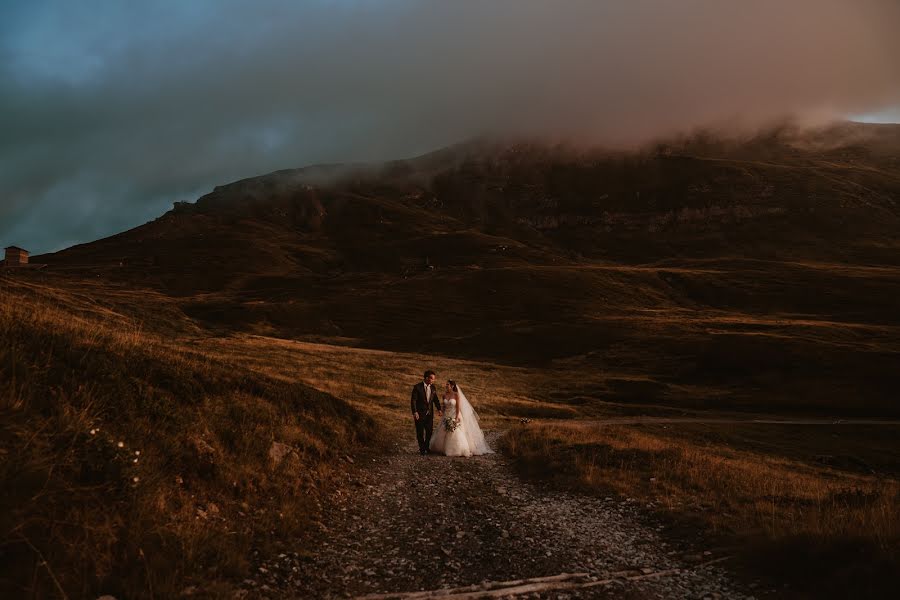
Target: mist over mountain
pixel 110 113
pixel 529 189
pixel 541 252
pixel 657 242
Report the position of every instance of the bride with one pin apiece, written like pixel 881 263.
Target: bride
pixel 458 433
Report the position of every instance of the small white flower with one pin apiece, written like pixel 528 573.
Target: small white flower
pixel 137 452
pixel 135 461
pixel 136 479
pixel 121 444
pixel 93 432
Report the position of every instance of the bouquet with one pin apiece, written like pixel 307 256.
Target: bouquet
pixel 450 425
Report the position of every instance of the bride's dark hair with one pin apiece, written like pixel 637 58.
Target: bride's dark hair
pixel 452 385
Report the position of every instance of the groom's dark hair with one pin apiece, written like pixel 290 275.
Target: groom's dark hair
pixel 428 374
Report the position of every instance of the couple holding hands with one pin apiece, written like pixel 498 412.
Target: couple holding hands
pixel 458 432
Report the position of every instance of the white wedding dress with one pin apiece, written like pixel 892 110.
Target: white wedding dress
pixel 467 439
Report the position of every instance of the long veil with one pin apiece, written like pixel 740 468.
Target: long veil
pixel 475 436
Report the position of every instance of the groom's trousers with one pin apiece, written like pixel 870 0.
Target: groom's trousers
pixel 424 427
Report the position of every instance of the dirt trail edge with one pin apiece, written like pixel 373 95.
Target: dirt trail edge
pixel 416 526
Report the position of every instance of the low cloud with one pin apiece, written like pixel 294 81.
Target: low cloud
pixel 110 113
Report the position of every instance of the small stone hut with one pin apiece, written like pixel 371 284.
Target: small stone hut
pixel 15 256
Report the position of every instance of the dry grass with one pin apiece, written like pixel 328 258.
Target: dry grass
pixel 204 409
pixel 782 514
pixel 135 464
pixel 82 356
pixel 379 381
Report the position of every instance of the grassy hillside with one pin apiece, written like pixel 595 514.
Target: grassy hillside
pixel 697 277
pixel 203 409
pixel 813 508
pixel 759 274
pixel 193 491
pixel 134 463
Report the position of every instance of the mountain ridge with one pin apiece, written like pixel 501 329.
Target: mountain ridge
pixel 720 270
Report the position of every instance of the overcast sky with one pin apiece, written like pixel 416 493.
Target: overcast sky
pixel 111 110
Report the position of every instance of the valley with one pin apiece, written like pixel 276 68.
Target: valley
pixel 696 343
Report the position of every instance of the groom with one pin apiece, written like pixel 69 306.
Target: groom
pixel 424 396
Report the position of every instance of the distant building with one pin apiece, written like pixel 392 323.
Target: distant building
pixel 15 256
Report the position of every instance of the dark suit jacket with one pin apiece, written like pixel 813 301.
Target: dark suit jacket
pixel 419 404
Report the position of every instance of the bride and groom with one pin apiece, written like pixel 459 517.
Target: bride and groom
pixel 458 432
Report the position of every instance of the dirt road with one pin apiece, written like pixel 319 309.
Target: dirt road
pixel 436 527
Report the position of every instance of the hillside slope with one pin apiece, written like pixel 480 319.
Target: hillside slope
pixel 133 463
pixel 715 272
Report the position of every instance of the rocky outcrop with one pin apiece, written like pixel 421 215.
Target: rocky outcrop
pixel 283 456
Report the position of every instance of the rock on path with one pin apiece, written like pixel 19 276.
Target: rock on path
pixel 417 523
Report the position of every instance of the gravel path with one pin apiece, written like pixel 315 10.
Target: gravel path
pixel 432 523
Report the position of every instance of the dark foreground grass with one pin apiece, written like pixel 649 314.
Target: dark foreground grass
pixel 203 410
pixel 826 533
pixel 133 465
